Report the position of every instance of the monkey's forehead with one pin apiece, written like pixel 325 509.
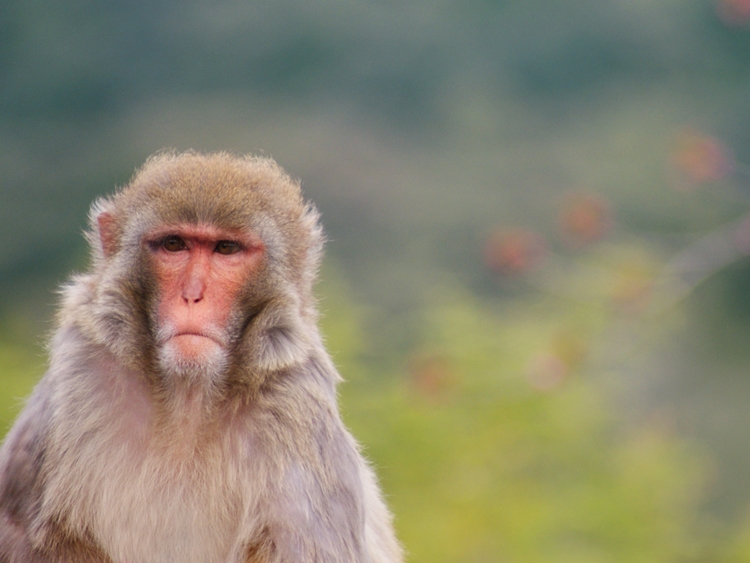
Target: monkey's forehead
pixel 219 188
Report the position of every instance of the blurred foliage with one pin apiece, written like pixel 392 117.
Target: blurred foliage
pixel 539 219
pixel 18 373
pixel 492 449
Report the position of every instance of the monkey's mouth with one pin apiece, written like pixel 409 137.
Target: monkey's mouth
pixel 196 336
pixel 199 336
pixel 195 348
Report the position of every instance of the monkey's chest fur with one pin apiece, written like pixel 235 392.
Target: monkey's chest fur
pixel 147 487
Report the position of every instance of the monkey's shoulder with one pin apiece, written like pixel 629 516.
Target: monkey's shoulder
pixel 22 452
pixel 21 461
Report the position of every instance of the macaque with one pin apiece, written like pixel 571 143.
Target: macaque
pixel 189 412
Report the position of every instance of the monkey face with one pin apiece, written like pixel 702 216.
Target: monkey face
pixel 204 267
pixel 200 270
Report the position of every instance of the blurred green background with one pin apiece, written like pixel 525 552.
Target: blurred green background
pixel 537 282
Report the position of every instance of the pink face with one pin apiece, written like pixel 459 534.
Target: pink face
pixel 200 270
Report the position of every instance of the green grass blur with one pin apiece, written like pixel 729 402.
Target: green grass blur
pixel 488 453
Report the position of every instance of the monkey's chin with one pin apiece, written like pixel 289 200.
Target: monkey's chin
pixel 193 358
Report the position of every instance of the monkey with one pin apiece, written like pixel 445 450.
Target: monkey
pixel 189 411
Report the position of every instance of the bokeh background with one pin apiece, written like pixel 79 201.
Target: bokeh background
pixel 537 282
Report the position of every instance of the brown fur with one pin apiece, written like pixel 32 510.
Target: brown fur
pixel 113 462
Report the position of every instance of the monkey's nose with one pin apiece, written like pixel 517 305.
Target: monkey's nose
pixel 193 290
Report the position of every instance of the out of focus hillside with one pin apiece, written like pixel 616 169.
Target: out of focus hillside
pixel 537 284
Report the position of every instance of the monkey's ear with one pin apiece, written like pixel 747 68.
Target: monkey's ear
pixel 107 233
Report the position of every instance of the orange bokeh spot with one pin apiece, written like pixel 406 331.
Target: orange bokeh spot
pixel 509 251
pixel 547 371
pixel 585 219
pixel 734 12
pixel 570 348
pixel 431 375
pixel 633 287
pixel 632 295
pixel 699 158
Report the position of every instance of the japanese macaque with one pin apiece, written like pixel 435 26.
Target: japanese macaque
pixel 189 411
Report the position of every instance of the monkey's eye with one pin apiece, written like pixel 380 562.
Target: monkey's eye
pixel 173 243
pixel 227 247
